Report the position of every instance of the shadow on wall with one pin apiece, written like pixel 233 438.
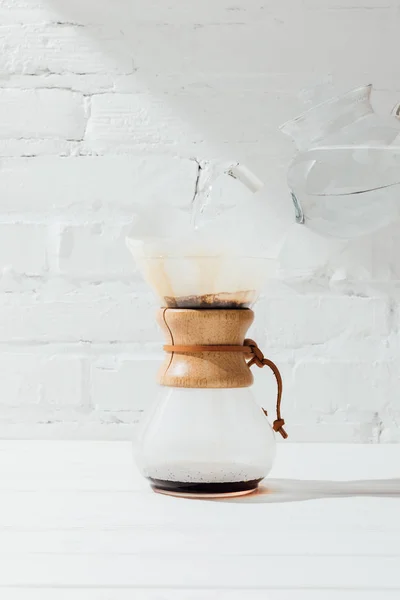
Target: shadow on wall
pixel 208 85
pixel 215 79
pixel 212 72
pixel 297 490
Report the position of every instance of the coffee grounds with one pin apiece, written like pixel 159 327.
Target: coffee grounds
pixel 221 300
pixel 186 487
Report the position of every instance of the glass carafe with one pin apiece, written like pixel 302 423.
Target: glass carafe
pixel 205 434
pixel 205 441
pixel 345 179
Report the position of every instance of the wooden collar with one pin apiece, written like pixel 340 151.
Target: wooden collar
pixel 257 358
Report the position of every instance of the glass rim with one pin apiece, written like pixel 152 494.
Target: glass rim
pixel 304 114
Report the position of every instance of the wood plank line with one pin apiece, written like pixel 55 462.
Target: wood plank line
pixel 189 594
pixel 198 541
pixel 201 572
pixel 49 510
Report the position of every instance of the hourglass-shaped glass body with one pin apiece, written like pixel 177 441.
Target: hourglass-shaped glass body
pixel 205 441
pixel 205 434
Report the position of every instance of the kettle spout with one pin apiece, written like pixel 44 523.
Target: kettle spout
pixel 245 176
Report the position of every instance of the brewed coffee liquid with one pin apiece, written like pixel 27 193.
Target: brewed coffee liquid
pixel 186 478
pixel 226 300
pixel 184 487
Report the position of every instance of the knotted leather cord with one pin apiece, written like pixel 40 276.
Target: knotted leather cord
pixel 257 358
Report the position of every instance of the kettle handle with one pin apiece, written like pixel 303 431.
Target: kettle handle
pixel 305 160
pixel 395 112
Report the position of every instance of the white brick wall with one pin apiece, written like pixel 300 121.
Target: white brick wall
pixel 76 314
pixel 104 107
pixel 77 188
pixel 30 380
pixel 37 49
pixel 41 114
pixel 23 248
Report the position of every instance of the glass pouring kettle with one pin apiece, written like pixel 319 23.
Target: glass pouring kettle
pixel 345 179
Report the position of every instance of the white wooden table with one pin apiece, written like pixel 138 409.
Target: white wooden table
pixel 77 522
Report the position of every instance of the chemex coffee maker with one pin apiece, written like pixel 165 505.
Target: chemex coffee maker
pixel 205 436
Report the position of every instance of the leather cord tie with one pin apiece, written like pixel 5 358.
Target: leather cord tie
pixel 260 360
pixel 257 358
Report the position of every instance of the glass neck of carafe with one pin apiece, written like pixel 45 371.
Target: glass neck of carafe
pixel 329 117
